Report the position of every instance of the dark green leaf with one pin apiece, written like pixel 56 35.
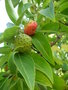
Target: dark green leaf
pixel 25 65
pixel 43 66
pixel 41 43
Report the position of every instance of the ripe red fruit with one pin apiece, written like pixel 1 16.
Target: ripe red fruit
pixel 30 28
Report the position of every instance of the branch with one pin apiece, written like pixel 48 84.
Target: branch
pixel 57 39
pixel 63 23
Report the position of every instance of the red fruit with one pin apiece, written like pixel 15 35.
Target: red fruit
pixel 30 28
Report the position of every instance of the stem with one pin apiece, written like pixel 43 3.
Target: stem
pixel 58 38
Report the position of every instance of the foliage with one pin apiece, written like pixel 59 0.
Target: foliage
pixel 43 68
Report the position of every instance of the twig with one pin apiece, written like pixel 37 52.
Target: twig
pixel 58 38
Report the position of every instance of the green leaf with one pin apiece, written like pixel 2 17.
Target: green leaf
pixel 21 9
pixel 3 82
pixel 11 64
pixel 15 2
pixel 5 50
pixel 64 28
pixel 42 79
pixel 9 33
pixel 65 67
pixel 3 59
pixel 65 75
pixel 62 1
pixel 50 27
pixel 10 10
pixel 18 84
pixel 25 87
pixel 64 8
pixel 25 65
pixel 59 83
pixel 41 43
pixel 13 82
pixel 54 27
pixel 49 12
pixel 37 87
pixel 38 1
pixel 43 66
pixel 6 85
pixel 58 61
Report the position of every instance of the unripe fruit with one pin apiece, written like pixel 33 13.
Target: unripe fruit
pixel 30 28
pixel 23 43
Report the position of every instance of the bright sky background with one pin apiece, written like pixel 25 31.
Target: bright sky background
pixel 3 16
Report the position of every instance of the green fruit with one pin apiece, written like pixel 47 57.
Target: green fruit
pixel 23 43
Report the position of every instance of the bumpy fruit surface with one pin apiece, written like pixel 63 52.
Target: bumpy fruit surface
pixel 23 43
pixel 30 28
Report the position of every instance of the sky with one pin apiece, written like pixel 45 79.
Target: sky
pixel 3 16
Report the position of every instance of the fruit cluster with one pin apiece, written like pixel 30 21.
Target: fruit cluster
pixel 23 41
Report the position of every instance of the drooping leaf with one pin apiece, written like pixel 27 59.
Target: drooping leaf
pixel 41 43
pixel 10 10
pixel 43 66
pixel 25 65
